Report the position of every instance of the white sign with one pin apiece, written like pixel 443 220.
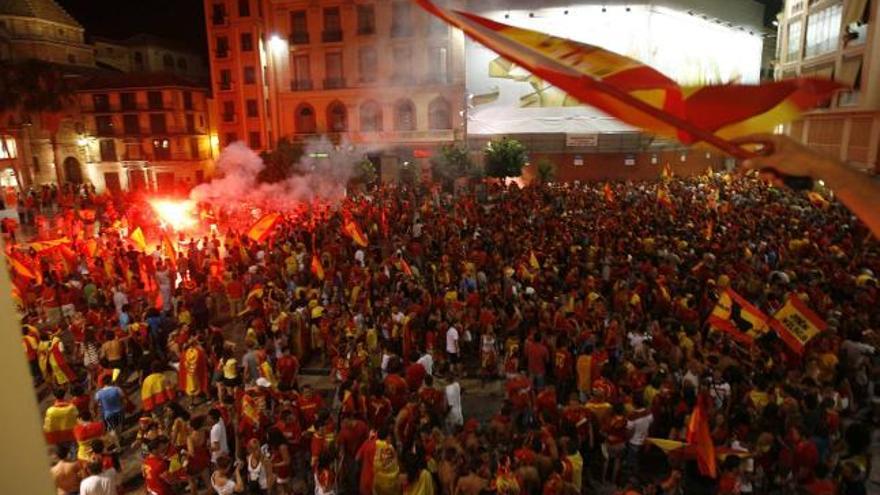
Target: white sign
pixel 581 140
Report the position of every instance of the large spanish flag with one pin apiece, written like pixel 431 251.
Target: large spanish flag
pixel 20 266
pixel 796 324
pixel 261 230
pixel 641 96
pixel 155 392
pixel 354 231
pixel 40 247
pixel 737 317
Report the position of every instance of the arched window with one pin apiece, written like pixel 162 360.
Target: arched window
pixel 404 116
pixel 371 117
pixel 438 114
pixel 305 119
pixel 168 61
pixel 337 117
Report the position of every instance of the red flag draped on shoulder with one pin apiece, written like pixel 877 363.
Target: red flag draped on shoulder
pixel 352 230
pixel 261 230
pixel 641 96
pixel 700 438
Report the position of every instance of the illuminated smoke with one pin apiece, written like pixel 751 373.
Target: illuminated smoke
pixel 322 173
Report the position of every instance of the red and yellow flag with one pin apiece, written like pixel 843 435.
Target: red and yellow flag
pixel 137 237
pixel 405 268
pixel 352 230
pixel 664 199
pixel 317 268
pixel 168 247
pixel 640 95
pixel 666 173
pixel 817 200
pixel 737 317
pixel 700 438
pixel 709 231
pixel 155 392
pixel 20 266
pixel 796 324
pixel 261 230
pixel 533 261
pixel 40 247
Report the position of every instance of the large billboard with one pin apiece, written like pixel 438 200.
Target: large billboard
pixel 505 99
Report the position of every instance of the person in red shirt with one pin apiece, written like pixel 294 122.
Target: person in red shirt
pixel 563 368
pixel 396 390
pixel 365 455
pixel 415 374
pixel 537 358
pixel 310 405
pixel 287 367
pixel 155 469
pixel 378 407
pixel 545 402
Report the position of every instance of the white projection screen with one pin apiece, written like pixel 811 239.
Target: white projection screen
pixel 505 99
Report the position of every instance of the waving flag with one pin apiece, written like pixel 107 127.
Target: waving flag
pixel 700 438
pixel 641 96
pixel 664 199
pixel 796 324
pixel 40 247
pixel 317 268
pixel 137 237
pixel 20 266
pixel 352 230
pixel 666 173
pixel 533 261
pixel 168 247
pixel 738 318
pixel 261 230
pixel 609 194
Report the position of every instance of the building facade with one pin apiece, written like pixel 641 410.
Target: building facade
pixel 379 74
pixel 147 53
pixel 147 132
pixel 42 30
pixel 840 40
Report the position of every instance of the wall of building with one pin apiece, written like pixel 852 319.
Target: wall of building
pixel 45 40
pixel 612 166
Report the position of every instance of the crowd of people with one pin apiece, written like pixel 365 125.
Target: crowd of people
pixel 587 303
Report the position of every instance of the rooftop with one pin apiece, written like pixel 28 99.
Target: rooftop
pixel 46 10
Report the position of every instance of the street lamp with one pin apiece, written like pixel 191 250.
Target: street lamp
pixel 277 44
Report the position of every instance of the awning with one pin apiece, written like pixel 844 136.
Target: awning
pixel 849 71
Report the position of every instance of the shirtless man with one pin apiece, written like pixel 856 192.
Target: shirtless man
pixel 66 474
pixel 472 483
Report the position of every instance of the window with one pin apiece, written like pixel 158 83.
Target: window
pixel 823 30
pixel 438 64
pixel 250 75
pixel 158 124
pixel 194 152
pixel 131 125
pixel 190 120
pixel 371 117
pixel 230 138
pixel 107 149
pixel 104 125
pixel 404 116
pixel 244 8
pixel 222 46
pixel 247 42
pixel 332 25
pixel 366 16
pixel 302 75
pixel 218 14
pixel 337 117
pixel 128 101
pixel 162 149
pixel 225 80
pixel 154 100
pixel 228 111
pixel 402 55
pixel 168 61
pixel 254 140
pixel 305 119
pixel 401 20
pixel 252 108
pixel 438 114
pixel 367 63
pixel 793 44
pixel 139 59
pixel 101 102
pixel 187 100
pixel 7 148
pixel 333 68
pixel 299 28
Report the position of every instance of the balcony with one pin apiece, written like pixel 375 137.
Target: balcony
pixel 106 132
pixel 219 20
pixel 229 118
pixel 333 36
pixel 334 83
pixel 366 30
pixel 299 38
pixel 115 108
pixel 225 85
pixel 301 85
pixel 221 53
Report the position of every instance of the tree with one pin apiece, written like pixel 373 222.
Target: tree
pixel 37 87
pixel 364 172
pixel 452 163
pixel 281 162
pixel 505 158
pixel 546 171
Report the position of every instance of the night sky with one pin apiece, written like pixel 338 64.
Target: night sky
pixel 178 20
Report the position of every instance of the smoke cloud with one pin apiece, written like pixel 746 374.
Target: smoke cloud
pixel 322 174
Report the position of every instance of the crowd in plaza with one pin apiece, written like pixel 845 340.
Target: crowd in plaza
pixel 587 302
